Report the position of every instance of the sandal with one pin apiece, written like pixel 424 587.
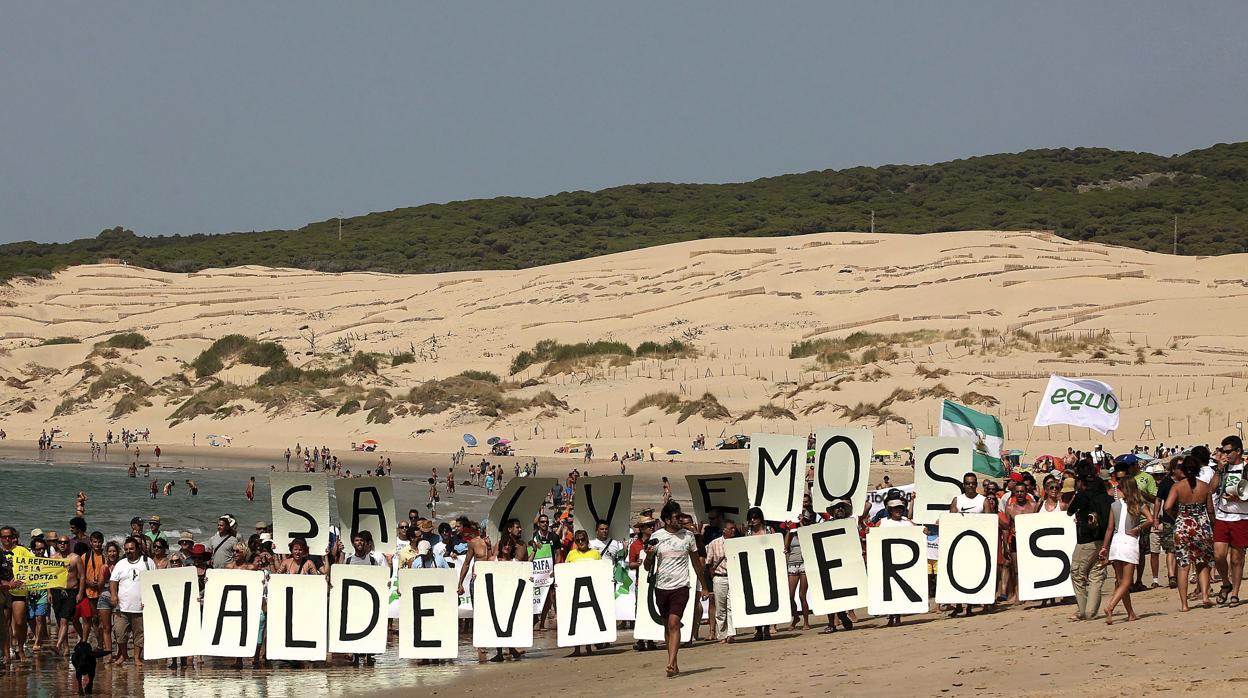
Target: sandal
pixel 1222 592
pixel 1234 602
pixel 1174 582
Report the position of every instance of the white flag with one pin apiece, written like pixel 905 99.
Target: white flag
pixel 1079 402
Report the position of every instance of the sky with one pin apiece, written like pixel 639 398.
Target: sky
pixel 225 116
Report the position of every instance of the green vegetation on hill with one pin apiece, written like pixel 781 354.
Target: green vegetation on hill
pixel 1081 193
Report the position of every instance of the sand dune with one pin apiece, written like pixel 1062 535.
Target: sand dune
pixel 1163 330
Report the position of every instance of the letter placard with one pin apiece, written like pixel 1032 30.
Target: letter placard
pixel 723 490
pixel 842 466
pixel 603 498
pixel 967 563
pixel 584 603
pixel 358 598
pixel 939 464
pixel 758 588
pixel 171 625
pixel 502 604
pixel 300 510
pixel 232 601
pixel 649 625
pixel 298 620
pixel 428 613
pixel 834 566
pixel 777 475
pixel 522 499
pixel 1046 546
pixel 366 504
pixel 896 570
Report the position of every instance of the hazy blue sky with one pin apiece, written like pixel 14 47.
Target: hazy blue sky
pixel 217 116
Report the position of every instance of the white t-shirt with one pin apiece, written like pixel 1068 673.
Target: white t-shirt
pixel 609 549
pixel 968 505
pixel 1206 474
pixel 129 588
pixel 889 523
pixel 373 558
pixel 672 565
pixel 1229 509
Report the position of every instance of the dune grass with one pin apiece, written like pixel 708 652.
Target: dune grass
pixel 565 356
pixel 707 406
pixel 59 340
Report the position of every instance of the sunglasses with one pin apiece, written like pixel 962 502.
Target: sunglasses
pixel 62 542
pixel 1227 451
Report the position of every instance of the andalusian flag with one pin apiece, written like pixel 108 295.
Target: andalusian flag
pixel 984 429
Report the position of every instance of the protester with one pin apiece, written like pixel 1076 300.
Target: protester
pixel 1230 526
pixel 1121 547
pixel 669 552
pixel 717 581
pixel 126 589
pixel 1190 504
pixel 1090 509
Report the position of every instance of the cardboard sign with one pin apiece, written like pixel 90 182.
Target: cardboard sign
pixel 358 598
pixel 300 510
pixel 896 570
pixel 939 464
pixel 842 466
pixel 522 499
pixel 834 566
pixel 758 582
pixel 171 626
pixel 502 612
pixel 1046 546
pixel 777 475
pixel 298 619
pixel 877 497
pixel 723 490
pixel 603 498
pixel 41 573
pixel 233 600
pixel 584 603
pixel 650 624
pixel 967 562
pixel 366 504
pixel 428 617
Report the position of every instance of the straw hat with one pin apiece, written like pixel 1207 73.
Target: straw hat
pixel 644 520
pixel 1068 485
pixel 186 536
pixel 425 525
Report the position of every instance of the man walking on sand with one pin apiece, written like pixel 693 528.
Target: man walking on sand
pixel 668 554
pixel 126 591
pixel 1230 525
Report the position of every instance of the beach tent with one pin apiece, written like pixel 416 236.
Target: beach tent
pixel 673 452
pixel 371 442
pixel 470 439
pixel 883 454
pixel 492 440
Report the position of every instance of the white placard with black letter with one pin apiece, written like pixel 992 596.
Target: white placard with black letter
pixel 359 596
pixel 428 613
pixel 896 570
pixel 967 565
pixel 939 464
pixel 842 466
pixel 584 603
pixel 777 475
pixel 171 625
pixel 649 624
pixel 758 585
pixel 835 569
pixel 502 605
pixel 298 619
pixel 1046 546
pixel 723 490
pixel 603 498
pixel 521 499
pixel 300 510
pixel 366 504
pixel 232 605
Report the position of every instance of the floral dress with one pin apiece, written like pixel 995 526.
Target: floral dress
pixel 1193 536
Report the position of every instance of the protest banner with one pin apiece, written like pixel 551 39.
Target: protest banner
pixel 501 614
pixel 967 559
pixel 650 624
pixel 939 464
pixel 366 504
pixel 171 618
pixel 896 570
pixel 233 600
pixel 625 591
pixel 604 498
pixel 758 590
pixel 300 510
pixel 1046 547
pixel 358 596
pixel 842 466
pixel 428 621
pixel 723 490
pixel 876 499
pixel 1079 402
pixel 543 575
pixel 776 478
pixel 298 620
pixel 834 566
pixel 584 603
pixel 521 499
pixel 41 573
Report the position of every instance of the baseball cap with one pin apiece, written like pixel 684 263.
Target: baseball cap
pixel 261 524
pixel 155 518
pixel 423 547
pixel 36 532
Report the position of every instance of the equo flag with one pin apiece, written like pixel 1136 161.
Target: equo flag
pixel 1079 402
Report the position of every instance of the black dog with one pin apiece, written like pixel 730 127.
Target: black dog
pixel 83 659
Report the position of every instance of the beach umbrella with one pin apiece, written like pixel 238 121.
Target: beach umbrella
pixel 883 454
pixel 504 441
pixel 470 439
pixel 1015 452
pixel 492 440
pixel 673 452
pixel 905 449
pixel 1126 459
pixel 372 442
pixel 657 451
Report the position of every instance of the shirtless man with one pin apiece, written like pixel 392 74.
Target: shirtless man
pixel 80 504
pixel 298 562
pixel 169 488
pixel 478 551
pixel 251 489
pixel 1018 503
pixel 64 601
pixel 194 488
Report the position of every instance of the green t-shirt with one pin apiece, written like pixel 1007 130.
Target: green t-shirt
pixel 1147 485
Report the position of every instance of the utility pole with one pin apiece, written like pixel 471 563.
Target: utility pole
pixel 873 221
pixel 340 226
pixel 1176 234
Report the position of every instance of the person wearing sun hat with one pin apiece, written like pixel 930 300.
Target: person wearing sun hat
pixel 155 533
pixel 221 544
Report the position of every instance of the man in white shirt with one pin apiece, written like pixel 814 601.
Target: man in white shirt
pixel 668 554
pixel 607 548
pixel 1230 525
pixel 127 595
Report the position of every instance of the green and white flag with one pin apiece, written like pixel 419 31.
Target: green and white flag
pixel 984 429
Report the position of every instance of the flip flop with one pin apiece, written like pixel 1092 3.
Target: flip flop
pixel 1234 602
